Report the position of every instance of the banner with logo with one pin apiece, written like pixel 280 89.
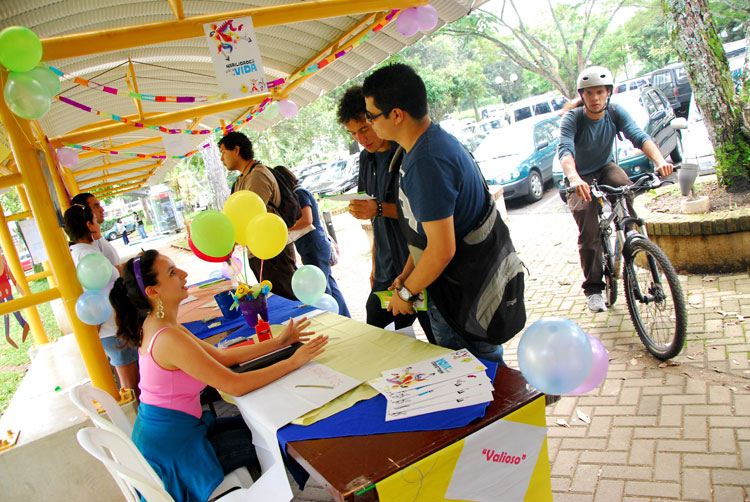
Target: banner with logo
pixel 507 460
pixel 236 56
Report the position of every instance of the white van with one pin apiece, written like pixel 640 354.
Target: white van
pixel 534 107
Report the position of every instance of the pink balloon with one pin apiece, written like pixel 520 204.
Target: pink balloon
pixel 287 108
pixel 599 366
pixel 428 17
pixel 67 157
pixel 407 22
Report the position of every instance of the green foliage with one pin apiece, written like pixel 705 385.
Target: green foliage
pixel 733 160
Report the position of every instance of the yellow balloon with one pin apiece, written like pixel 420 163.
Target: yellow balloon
pixel 266 235
pixel 241 207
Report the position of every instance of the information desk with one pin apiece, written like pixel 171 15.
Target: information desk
pixel 352 468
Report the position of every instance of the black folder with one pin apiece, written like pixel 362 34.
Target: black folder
pixel 267 360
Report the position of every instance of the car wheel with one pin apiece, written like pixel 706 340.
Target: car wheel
pixel 536 187
pixel 677 153
pixel 111 236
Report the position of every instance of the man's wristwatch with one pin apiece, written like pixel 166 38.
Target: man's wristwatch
pixel 406 295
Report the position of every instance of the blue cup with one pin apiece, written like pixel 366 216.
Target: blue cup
pixel 225 300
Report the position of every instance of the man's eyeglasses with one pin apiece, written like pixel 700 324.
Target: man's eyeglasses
pixel 370 117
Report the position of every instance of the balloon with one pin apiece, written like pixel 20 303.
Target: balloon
pixel 309 284
pixel 20 49
pixel 94 271
pixel 67 157
pixel 241 207
pixel 49 80
pixel 407 22
pixel 213 233
pixel 599 366
pixel 554 355
pixel 25 96
pixel 272 110
pixel 287 108
pixel 266 235
pixel 93 306
pixel 203 256
pixel 227 271
pixel 327 302
pixel 427 17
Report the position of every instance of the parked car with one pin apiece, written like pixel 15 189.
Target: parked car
pixel 534 107
pixel 519 157
pixel 631 84
pixel 26 262
pixel 310 171
pixel 651 110
pixel 673 81
pixel 113 234
pixel 341 176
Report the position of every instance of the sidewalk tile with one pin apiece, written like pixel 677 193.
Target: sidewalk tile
pixel 667 466
pixel 696 484
pixel 652 489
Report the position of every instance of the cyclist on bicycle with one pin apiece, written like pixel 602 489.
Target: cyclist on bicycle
pixel 585 151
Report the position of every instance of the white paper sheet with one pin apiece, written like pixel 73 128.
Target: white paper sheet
pixel 189 299
pixel 275 405
pixel 349 196
pixel 438 369
pixel 467 381
pixel 393 412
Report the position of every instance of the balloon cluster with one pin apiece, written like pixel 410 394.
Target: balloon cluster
pixel 286 107
pixel 29 88
pixel 309 286
pixel 94 271
pixel 557 357
pixel 415 19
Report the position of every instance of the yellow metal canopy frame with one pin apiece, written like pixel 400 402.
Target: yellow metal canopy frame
pixel 28 140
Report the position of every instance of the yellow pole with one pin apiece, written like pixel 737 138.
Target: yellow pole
pixel 123 146
pixel 121 173
pixel 124 37
pixel 52 167
pixel 60 260
pixel 112 165
pixel 133 87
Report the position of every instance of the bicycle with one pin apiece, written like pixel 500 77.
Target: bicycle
pixel 660 323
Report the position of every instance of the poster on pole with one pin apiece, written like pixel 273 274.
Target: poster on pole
pixel 236 56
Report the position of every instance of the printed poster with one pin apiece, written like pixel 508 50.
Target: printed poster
pixel 236 56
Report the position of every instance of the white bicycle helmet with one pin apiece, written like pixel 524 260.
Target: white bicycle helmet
pixel 594 76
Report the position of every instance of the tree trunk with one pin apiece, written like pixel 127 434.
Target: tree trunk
pixel 216 174
pixel 694 34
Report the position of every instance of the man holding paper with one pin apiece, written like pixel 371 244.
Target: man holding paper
pixel 460 249
pixel 378 177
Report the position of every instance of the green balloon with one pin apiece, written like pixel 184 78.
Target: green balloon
pixel 94 271
pixel 25 96
pixel 47 78
pixel 272 110
pixel 20 49
pixel 212 233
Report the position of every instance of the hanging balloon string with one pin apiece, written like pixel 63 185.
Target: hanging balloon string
pixel 236 269
pixel 260 273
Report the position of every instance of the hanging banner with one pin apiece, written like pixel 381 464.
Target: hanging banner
pixel 236 57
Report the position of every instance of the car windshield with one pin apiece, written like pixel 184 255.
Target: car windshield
pixel 632 104
pixel 333 171
pixel 505 142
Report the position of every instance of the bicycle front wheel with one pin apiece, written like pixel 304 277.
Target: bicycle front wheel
pixel 610 279
pixel 655 300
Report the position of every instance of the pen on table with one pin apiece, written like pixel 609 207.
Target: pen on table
pixel 315 386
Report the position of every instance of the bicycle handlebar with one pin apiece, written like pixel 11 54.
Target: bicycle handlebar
pixel 647 182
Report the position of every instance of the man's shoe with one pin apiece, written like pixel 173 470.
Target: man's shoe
pixel 596 303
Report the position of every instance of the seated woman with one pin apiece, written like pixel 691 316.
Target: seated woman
pixel 83 229
pixel 314 248
pixel 189 449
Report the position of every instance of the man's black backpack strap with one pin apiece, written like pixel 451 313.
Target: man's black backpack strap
pixel 612 115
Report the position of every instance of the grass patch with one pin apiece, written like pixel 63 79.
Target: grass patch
pixel 15 362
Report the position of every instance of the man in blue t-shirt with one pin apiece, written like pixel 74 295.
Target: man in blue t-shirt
pixel 585 152
pixel 441 194
pixel 389 251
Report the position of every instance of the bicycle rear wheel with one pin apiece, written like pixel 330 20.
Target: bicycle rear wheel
pixel 655 300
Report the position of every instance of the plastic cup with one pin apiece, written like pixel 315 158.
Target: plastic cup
pixel 252 307
pixel 225 300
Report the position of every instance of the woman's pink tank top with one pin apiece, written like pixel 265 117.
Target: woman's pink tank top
pixel 171 389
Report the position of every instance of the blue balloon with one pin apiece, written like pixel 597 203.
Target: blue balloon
pixel 327 302
pixel 93 307
pixel 308 284
pixel 555 355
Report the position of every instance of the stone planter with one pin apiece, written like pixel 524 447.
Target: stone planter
pixel 716 242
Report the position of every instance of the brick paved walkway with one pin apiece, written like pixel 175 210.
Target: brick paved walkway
pixel 673 433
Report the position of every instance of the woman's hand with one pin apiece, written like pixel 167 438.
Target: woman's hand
pixel 295 332
pixel 309 351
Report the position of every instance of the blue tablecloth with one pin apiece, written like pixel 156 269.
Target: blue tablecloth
pixel 280 310
pixel 368 417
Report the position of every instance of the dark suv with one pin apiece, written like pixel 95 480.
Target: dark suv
pixel 673 82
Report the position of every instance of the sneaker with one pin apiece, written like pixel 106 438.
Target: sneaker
pixel 596 303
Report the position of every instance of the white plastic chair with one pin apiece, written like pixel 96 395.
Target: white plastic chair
pixel 83 397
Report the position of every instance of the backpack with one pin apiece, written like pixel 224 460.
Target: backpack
pixel 612 115
pixel 288 208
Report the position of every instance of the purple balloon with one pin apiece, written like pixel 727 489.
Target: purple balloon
pixel 67 157
pixel 428 17
pixel 599 366
pixel 407 22
pixel 288 108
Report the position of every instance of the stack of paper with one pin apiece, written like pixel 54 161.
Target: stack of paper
pixel 442 383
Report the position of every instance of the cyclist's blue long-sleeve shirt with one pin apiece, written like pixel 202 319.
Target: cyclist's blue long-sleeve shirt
pixel 594 146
